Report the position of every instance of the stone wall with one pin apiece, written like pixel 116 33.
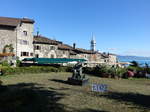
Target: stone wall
pixel 112 59
pixel 45 51
pixel 7 36
pixel 63 53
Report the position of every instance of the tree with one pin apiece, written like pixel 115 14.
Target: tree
pixel 134 64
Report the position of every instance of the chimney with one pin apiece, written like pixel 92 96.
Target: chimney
pixel 74 45
pixel 37 33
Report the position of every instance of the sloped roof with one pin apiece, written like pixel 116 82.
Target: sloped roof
pixel 104 55
pixel 81 50
pixel 73 52
pixel 44 40
pixel 27 20
pixel 65 47
pixel 13 22
pixel 112 54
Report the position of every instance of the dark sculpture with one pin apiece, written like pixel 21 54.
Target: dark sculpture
pixel 78 78
pixel 77 71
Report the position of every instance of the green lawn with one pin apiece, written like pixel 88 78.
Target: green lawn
pixel 49 92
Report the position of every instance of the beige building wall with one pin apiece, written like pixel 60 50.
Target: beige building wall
pixel 112 59
pixel 25 40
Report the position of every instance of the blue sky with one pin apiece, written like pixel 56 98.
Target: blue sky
pixel 120 26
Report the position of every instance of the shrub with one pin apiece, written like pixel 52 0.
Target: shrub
pixel 33 69
pixel 120 72
pixel 134 64
pixel 138 71
pixel 65 69
pixel 147 70
pixel 105 71
pixel 18 62
pixel 101 71
pixel 5 63
pixel 88 70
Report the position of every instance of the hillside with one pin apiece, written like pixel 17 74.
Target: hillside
pixel 124 58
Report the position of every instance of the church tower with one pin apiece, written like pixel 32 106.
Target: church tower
pixel 93 43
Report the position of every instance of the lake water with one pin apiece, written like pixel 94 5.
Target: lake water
pixel 141 62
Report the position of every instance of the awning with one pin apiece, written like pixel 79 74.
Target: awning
pixel 53 60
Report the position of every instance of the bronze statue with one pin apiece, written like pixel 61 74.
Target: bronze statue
pixel 77 76
pixel 77 71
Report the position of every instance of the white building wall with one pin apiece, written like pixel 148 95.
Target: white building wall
pixel 22 39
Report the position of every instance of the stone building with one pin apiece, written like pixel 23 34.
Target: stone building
pixel 93 57
pixel 109 58
pixel 44 47
pixel 64 51
pixel 17 35
pixel 17 32
pixel 112 59
pixel 48 48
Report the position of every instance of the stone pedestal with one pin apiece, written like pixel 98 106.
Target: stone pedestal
pixel 77 81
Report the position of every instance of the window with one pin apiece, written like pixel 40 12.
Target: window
pixel 64 52
pixel 23 42
pixel 52 47
pixel 31 54
pixel 105 61
pixel 36 55
pixel 25 33
pixel 24 53
pixel 37 47
pixel 52 56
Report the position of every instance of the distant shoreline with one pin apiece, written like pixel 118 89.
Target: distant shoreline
pixel 140 60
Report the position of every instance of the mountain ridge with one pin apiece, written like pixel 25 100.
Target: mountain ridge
pixel 127 57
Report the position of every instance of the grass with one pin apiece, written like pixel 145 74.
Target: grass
pixel 49 92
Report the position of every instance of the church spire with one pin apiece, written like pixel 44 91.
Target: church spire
pixel 93 43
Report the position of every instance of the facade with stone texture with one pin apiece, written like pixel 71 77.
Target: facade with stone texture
pixel 112 59
pixel 44 47
pixel 64 51
pixel 18 33
pixel 47 48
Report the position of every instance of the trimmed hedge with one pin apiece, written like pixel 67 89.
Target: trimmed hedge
pixel 33 69
pixel 105 71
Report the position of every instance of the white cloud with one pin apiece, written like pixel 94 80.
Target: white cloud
pixel 112 49
pixel 137 53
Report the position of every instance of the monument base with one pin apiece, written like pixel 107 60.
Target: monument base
pixel 77 81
